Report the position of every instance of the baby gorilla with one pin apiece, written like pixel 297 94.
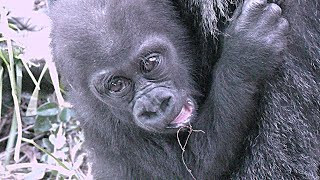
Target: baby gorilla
pixel 132 71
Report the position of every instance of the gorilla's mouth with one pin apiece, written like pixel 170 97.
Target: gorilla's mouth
pixel 185 115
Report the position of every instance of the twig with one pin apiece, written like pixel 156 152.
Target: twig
pixel 23 144
pixel 55 81
pixel 183 147
pixel 59 169
pixel 16 123
pixel 31 141
pixel 23 130
pixel 1 85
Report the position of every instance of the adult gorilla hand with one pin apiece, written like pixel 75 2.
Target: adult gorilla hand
pixel 255 40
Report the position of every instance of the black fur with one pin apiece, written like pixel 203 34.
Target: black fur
pixel 259 123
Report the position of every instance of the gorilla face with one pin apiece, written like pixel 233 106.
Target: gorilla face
pixel 140 72
pixel 150 82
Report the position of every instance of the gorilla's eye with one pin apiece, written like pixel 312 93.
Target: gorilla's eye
pixel 150 62
pixel 118 84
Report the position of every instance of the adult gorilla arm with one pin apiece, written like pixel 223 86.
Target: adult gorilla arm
pixel 251 52
pixel 285 140
pixel 287 143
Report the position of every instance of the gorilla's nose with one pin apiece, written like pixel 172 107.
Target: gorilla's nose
pixel 154 108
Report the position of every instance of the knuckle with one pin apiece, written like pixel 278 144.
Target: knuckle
pixel 275 41
pixel 279 45
pixel 283 24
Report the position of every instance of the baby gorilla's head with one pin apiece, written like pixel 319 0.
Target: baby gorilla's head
pixel 138 66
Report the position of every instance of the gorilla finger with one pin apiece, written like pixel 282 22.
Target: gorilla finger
pixel 252 10
pixel 250 5
pixel 271 15
pixel 274 10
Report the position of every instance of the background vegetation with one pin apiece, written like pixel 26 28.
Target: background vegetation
pixel 39 136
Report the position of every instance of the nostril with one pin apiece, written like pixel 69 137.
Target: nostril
pixel 148 114
pixel 164 104
pixel 154 109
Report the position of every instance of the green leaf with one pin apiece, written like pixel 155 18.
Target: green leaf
pixel 47 144
pixel 33 103
pixel 18 69
pixel 27 120
pixel 48 109
pixel 42 124
pixel 4 56
pixel 66 114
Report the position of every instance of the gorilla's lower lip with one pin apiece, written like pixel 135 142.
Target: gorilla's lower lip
pixel 184 117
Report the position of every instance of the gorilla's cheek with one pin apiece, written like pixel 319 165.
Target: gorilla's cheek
pixel 162 109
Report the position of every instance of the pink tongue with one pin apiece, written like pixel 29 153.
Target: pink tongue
pixel 183 116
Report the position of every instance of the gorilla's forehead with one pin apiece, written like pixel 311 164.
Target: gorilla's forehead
pixel 115 18
pixel 111 27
